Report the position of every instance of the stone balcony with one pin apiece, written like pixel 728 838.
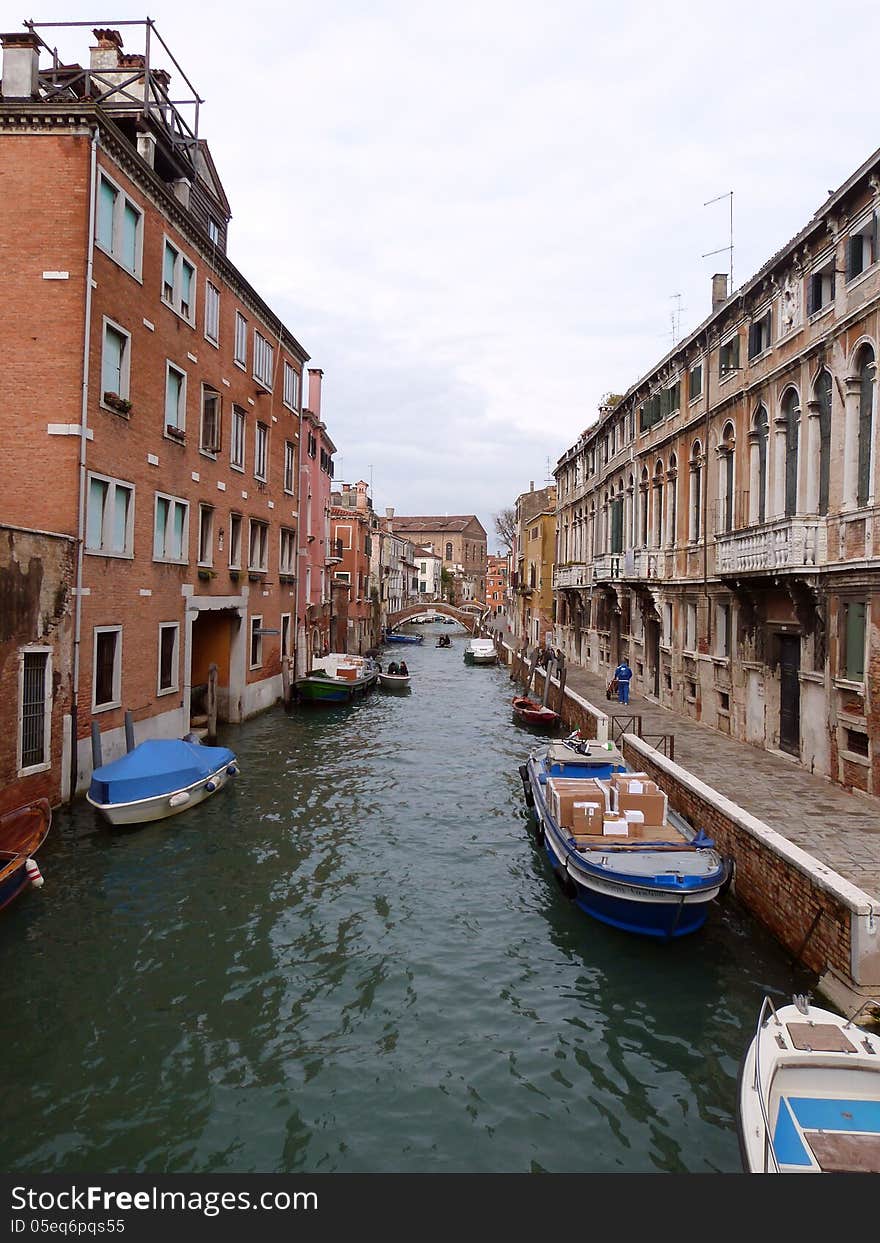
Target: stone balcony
pixel 779 545
pixel 577 575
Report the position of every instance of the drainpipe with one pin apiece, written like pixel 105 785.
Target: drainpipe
pixel 705 500
pixel 83 441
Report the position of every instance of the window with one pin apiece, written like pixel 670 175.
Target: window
pixel 209 435
pixel 690 633
pixel 852 665
pixel 107 668
pixel 178 282
pixel 861 248
pixel 285 634
pixel 171 529
pixel 235 541
pixel 667 623
pixel 312 446
pixel 35 713
pixel 866 370
pixel 291 386
pixel 261 441
pixel 696 470
pixel 256 642
pixel 236 439
pixel 289 465
pixel 264 356
pixel 448 552
pixel 110 517
pixel 115 367
pixel 759 440
pixel 722 630
pixel 240 353
pixel 287 558
pixel 820 288
pixel 695 381
pixel 728 357
pixel 259 539
pixel 759 335
pixel 857 742
pixel 206 535
pixel 119 226
pixel 168 660
pixel 175 401
pixel 791 416
pixel 726 451
pixel 213 231
pixel 212 313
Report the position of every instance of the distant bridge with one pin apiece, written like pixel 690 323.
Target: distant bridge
pixel 468 615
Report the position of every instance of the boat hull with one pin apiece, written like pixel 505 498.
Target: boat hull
pixel 394 681
pixel 533 713
pixel 22 831
pixel 333 690
pixel 404 638
pixel 163 806
pixel 812 1083
pixel 635 896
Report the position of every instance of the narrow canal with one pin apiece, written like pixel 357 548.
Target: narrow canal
pixel 357 960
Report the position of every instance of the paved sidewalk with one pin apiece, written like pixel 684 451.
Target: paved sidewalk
pixel 840 829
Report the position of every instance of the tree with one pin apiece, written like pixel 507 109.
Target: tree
pixel 505 527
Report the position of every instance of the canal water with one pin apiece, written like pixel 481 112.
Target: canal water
pixel 356 959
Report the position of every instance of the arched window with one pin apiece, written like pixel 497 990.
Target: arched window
pixel 643 489
pixel 823 397
pixel 759 438
pixel 449 551
pixel 672 500
pixel 658 505
pixel 696 470
pixel 791 418
pixel 617 521
pixel 865 371
pixel 725 476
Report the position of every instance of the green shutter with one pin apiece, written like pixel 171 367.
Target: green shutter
pixel 855 641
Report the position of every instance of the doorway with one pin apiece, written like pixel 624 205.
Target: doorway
pixel 653 637
pixel 790 693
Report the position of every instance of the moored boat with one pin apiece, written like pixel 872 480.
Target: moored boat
pixel 159 778
pixel 809 1093
pixel 480 652
pixel 404 638
pixel 338 678
pixel 534 713
pixel 615 847
pixel 22 832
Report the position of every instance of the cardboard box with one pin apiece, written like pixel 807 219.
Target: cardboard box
pixel 347 671
pixel 564 792
pixel 586 818
pixel 652 805
pixel 634 817
pixel 615 827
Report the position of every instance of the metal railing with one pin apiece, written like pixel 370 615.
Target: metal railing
pixel 664 743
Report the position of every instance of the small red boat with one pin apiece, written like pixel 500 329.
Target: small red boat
pixel 22 833
pixel 533 713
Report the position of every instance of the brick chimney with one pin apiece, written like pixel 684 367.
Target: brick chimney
pixel 719 289
pixel 106 53
pixel 316 375
pixel 21 61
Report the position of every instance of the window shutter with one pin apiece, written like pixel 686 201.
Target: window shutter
pixel 812 302
pixel 833 282
pixel 854 257
pixel 753 340
pixel 873 238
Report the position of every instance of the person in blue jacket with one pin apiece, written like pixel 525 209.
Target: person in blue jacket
pixel 623 674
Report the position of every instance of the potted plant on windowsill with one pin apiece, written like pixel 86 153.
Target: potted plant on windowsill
pixel 235 575
pixel 176 433
pixel 256 576
pixel 120 404
pixel 206 574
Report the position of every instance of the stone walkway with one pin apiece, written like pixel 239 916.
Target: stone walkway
pixel 840 829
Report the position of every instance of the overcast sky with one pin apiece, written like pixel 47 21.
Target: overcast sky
pixel 475 216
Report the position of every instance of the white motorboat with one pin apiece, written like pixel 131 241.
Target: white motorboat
pixel 394 681
pixel 480 652
pixel 809 1093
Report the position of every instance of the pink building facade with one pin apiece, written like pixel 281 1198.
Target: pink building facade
pixel 317 553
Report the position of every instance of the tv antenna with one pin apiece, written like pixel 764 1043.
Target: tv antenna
pixel 729 247
pixel 675 316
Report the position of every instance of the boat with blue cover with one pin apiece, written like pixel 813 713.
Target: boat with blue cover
pixel 392 637
pixel 614 845
pixel 809 1093
pixel 159 778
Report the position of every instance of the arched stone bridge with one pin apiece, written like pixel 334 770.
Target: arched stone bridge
pixel 468 614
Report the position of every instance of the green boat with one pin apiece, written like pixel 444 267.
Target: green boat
pixel 338 678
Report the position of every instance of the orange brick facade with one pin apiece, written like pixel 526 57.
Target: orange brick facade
pixel 236 574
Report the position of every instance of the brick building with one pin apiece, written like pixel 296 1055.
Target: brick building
pixel 462 543
pixel 148 470
pixel 496 583
pixel 720 525
pixel 354 625
pixel 317 554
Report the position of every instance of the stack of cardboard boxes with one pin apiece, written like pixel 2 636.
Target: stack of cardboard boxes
pixel 628 805
pixel 349 672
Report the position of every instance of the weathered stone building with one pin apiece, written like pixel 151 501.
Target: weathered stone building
pixel 460 540
pixel 720 524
